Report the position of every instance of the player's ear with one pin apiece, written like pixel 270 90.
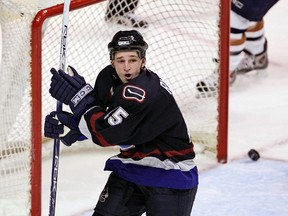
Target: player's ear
pixel 143 63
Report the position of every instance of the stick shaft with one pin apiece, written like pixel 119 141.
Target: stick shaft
pixel 56 149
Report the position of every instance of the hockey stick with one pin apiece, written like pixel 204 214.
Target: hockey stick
pixel 55 162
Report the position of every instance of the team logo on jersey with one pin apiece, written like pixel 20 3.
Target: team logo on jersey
pixel 134 93
pixel 104 195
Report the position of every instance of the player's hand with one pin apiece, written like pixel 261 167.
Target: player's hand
pixel 71 90
pixel 52 127
pixel 72 122
pixel 66 119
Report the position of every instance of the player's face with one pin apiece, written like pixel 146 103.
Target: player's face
pixel 128 65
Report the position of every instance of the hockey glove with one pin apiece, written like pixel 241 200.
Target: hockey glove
pixel 69 120
pixel 71 90
pixel 52 128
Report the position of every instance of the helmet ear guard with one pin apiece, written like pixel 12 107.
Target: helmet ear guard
pixel 126 41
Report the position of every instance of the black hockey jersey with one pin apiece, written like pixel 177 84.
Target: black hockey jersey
pixel 143 118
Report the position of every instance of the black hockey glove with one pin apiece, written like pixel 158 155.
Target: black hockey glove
pixel 72 122
pixel 71 90
pixel 67 119
pixel 52 128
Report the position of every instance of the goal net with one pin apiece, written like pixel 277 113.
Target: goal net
pixel 184 37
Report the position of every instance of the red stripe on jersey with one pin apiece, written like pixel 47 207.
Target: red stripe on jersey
pixel 179 152
pixel 140 154
pixel 100 138
pixel 168 154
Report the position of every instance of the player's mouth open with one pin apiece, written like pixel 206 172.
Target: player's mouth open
pixel 128 76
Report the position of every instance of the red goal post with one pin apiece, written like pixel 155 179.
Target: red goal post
pixel 183 36
pixel 36 75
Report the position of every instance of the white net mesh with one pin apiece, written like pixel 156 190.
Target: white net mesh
pixel 183 38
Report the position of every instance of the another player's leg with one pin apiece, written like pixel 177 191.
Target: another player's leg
pixel 237 45
pixel 256 44
pixel 256 57
pixel 210 83
pixel 238 27
pixel 248 45
pixel 122 12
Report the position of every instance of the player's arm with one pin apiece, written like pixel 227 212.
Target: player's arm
pixel 130 119
pixel 54 127
pixel 121 123
pixel 71 90
pixel 114 127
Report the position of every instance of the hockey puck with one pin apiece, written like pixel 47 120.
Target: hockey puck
pixel 253 154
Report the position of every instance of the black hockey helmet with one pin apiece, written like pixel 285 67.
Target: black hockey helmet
pixel 127 40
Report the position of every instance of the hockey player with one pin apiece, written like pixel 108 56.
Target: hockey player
pixel 122 12
pixel 248 44
pixel 130 107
